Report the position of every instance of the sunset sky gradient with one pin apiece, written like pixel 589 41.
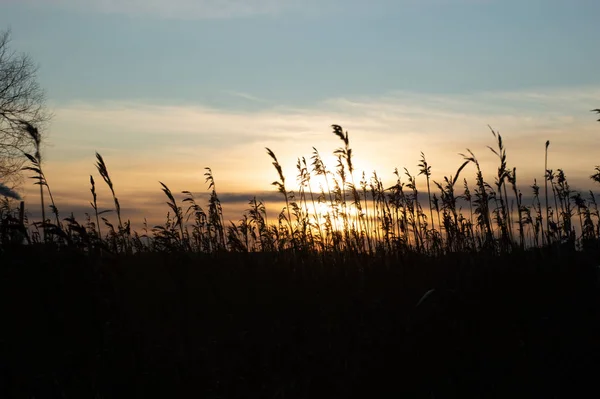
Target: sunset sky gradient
pixel 164 88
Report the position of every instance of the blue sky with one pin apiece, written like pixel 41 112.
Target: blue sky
pixel 299 54
pixel 193 83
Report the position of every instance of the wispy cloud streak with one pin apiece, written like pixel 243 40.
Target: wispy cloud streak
pixel 180 9
pixel 145 143
pixel 220 9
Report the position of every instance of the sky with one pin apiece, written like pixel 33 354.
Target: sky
pixel 164 88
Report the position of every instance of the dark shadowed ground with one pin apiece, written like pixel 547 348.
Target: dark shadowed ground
pixel 262 326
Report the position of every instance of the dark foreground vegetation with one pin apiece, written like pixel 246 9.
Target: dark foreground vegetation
pixel 355 290
pixel 274 326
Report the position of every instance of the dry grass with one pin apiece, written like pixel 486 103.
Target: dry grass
pixel 354 290
pixel 329 211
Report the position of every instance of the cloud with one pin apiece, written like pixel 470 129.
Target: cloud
pixel 7 192
pixel 245 96
pixel 179 9
pixel 225 9
pixel 144 143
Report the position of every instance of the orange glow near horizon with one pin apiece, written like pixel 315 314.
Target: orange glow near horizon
pixel 143 144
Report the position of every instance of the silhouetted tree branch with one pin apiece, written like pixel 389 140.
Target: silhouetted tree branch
pixel 21 101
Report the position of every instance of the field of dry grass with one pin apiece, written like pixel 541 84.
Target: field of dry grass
pixel 467 289
pixel 338 210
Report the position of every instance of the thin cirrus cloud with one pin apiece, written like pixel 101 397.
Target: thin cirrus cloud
pixel 145 143
pixel 219 9
pixel 186 9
